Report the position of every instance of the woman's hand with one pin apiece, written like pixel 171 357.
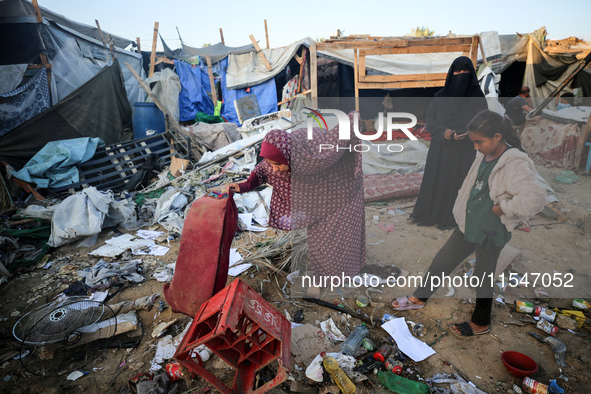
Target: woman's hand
pixel 233 187
pixel 496 209
pixel 448 134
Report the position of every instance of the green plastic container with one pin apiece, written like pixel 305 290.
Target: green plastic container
pixel 401 385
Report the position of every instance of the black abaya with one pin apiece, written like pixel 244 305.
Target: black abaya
pixel 448 161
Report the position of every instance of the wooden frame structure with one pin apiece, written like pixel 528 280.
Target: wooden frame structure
pixel 468 46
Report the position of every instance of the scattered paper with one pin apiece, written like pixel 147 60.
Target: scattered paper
pixel 247 220
pixel 117 245
pixel 46 266
pixel 166 275
pixel 236 258
pixel 262 221
pixel 75 375
pixel 154 250
pixel 414 348
pixel 99 296
pixel 147 234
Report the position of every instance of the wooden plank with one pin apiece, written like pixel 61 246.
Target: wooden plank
pixel 581 143
pixel 302 65
pixel 401 85
pixel 214 96
pixel 356 78
pixel 361 72
pixel 404 77
pixel 266 34
pixel 314 74
pixel 98 26
pixel 297 58
pixel 222 36
pixel 473 50
pixel 37 11
pixel 139 49
pixel 164 59
pixel 153 54
pixel 322 46
pixel 291 98
pixel 260 52
pixel 162 107
pixel 416 49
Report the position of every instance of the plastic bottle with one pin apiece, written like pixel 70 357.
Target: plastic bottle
pixel 353 342
pixel 338 375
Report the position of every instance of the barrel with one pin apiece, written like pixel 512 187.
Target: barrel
pixel 147 120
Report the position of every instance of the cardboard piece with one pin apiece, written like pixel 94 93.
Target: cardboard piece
pixel 178 166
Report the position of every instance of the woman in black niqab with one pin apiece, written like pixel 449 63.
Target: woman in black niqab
pixel 451 152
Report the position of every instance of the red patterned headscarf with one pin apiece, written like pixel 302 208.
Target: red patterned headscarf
pixel 276 146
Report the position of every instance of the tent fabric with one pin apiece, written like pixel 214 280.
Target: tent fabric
pixel 11 76
pixel 248 69
pixel 55 164
pixel 202 265
pixel 24 102
pixel 551 143
pixel 217 52
pixel 99 108
pixel 195 87
pixel 22 9
pixel 167 87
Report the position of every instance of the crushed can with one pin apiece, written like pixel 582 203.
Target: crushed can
pixel 534 387
pixel 394 366
pixel 545 314
pixel 524 307
pixel 581 304
pixel 547 327
pixel 173 370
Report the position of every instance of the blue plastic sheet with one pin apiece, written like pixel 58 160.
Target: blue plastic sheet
pixel 55 164
pixel 195 85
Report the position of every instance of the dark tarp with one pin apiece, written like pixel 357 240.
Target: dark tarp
pixel 99 108
pixel 543 71
pixel 217 52
pixel 583 80
pixel 20 43
pixel 24 9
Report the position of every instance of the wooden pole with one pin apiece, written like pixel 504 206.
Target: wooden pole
pixel 581 66
pixel 482 52
pixel 314 74
pixel 139 49
pixel 473 51
pixel 302 65
pixel 153 54
pixel 260 52
pixel 98 26
pixel 267 34
pixel 43 56
pixel 356 76
pixel 581 143
pixel 222 36
pixel 214 96
pixel 163 108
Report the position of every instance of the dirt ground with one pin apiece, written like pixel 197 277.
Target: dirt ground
pixel 547 248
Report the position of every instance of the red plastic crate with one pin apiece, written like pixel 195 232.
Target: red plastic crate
pixel 245 331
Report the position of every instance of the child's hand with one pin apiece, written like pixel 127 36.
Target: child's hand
pixel 234 187
pixel 496 209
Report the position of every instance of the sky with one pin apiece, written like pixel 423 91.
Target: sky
pixel 199 22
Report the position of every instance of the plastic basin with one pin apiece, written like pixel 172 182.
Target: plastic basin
pixel 518 364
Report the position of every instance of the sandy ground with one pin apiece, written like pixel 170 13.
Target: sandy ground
pixel 548 248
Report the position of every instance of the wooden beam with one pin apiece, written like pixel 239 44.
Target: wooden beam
pixel 266 34
pixel 162 107
pixel 153 54
pixel 581 143
pixel 401 85
pixel 222 36
pixel 98 26
pixel 356 76
pixel 415 49
pixel 260 52
pixel 314 74
pixel 402 78
pixel 37 11
pixel 139 48
pixel 302 65
pixel 163 59
pixel 473 50
pixel 297 58
pixel 360 44
pixel 214 96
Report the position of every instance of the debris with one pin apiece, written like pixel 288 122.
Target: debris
pixel 558 347
pixel 331 330
pixel 76 375
pixel 566 177
pixel 160 328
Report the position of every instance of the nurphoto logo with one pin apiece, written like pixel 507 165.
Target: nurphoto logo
pixel 345 129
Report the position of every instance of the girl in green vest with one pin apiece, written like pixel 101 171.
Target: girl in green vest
pixel 500 191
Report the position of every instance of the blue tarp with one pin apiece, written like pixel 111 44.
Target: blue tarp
pixel 55 164
pixel 195 85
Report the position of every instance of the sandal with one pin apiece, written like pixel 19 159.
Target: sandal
pixel 466 330
pixel 404 304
